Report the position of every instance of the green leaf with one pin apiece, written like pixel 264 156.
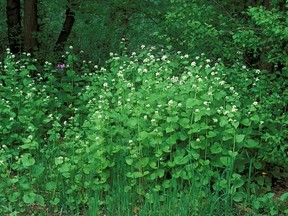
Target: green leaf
pixel 180 160
pixel 55 201
pixel 27 162
pixel 251 144
pixel 284 196
pixel 37 170
pixel 257 165
pixel 211 134
pixel 240 137
pixel 216 148
pixel 255 118
pixel 144 161
pixel 24 72
pixel 226 161
pixel 29 198
pixel 39 199
pixel 190 103
pixel 70 73
pixel 50 186
pixel 238 197
pixel 31 67
pixel 153 165
pixel 184 122
pixel 246 122
pixel 132 122
pixel 129 161
pixel 26 82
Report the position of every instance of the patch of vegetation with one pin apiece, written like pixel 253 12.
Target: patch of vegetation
pixel 153 133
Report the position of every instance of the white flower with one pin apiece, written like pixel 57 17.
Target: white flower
pixel 196 110
pixel 164 57
pixel 222 82
pixel 193 63
pixel 257 71
pixel 105 85
pixel 215 120
pixel 170 102
pixel 255 103
pixel 70 47
pixel 179 104
pixel 234 108
pixel 197 140
pixel 145 116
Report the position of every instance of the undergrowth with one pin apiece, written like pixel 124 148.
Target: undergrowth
pixel 153 133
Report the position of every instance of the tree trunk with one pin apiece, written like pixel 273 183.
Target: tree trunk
pixel 267 4
pixel 14 25
pixel 66 30
pixel 30 25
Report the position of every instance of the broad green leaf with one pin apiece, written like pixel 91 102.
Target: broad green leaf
pixel 246 122
pixel 153 165
pixel 31 67
pixel 226 161
pixel 211 134
pixel 160 172
pixel 144 161
pixel 27 161
pixel 29 198
pixel 37 170
pixel 70 73
pixel 255 118
pixel 39 199
pixel 184 122
pixel 190 103
pixel 132 122
pixel 240 137
pixel 257 165
pixel 180 160
pixel 129 161
pixel 50 186
pixel 24 72
pixel 216 148
pixel 284 196
pixel 55 201
pixel 251 144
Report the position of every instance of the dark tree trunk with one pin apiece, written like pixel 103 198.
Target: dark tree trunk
pixel 14 25
pixel 30 25
pixel 267 4
pixel 66 30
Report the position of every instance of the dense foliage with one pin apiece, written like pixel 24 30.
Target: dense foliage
pixel 194 122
